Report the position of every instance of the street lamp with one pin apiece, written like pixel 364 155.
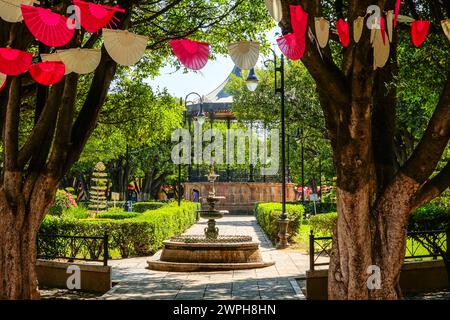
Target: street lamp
pixel 252 80
pixel 283 221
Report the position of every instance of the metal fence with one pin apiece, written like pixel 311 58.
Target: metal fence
pixel 435 243
pixel 84 248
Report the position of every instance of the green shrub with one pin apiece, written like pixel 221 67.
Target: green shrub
pixel 116 214
pixel 138 236
pixel 144 206
pixel 268 214
pixel 323 224
pixel 75 213
pixel 321 207
pixel 430 217
pixel 63 201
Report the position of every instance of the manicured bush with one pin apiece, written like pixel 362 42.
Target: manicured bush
pixel 116 214
pixel 323 224
pixel 138 236
pixel 75 213
pixel 144 206
pixel 321 207
pixel 268 214
pixel 430 217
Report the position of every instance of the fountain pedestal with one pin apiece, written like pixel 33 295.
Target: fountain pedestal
pixel 210 251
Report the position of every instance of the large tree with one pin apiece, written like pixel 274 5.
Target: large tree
pixel 375 193
pixel 45 129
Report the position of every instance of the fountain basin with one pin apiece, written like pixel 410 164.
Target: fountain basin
pixel 212 214
pixel 182 256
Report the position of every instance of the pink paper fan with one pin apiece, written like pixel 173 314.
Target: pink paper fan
pixel 47 73
pixel 419 31
pixel 48 27
pixel 93 17
pixel 397 11
pixel 343 32
pixel 192 54
pixel 383 29
pixel 14 62
pixel 299 20
pixel 292 46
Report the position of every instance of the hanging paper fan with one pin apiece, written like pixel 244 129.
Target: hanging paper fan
pixel 94 17
pixel 10 10
pixel 419 31
pixel 192 54
pixel 292 46
pixel 81 61
pixel 381 50
pixel 322 27
pixel 344 36
pixel 48 27
pixel 390 26
pixel 54 57
pixel 3 78
pixel 244 54
pixel 124 47
pixel 358 25
pixel 299 20
pixel 446 27
pixel 14 62
pixel 275 9
pixel 383 29
pixel 397 11
pixel 47 73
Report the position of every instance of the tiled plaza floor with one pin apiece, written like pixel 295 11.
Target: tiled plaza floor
pixel 134 281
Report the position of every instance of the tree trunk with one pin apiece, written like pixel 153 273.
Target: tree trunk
pixel 20 223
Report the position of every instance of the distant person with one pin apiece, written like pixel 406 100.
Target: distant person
pixel 195 195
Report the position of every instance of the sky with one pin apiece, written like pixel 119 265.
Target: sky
pixel 179 84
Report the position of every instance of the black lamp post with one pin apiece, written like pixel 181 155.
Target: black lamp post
pixel 283 221
pixel 179 165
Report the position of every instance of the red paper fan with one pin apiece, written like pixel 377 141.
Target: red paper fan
pixel 48 27
pixel 299 20
pixel 397 11
pixel 292 46
pixel 383 29
pixel 343 32
pixel 14 62
pixel 3 78
pixel 419 31
pixel 47 73
pixel 192 54
pixel 93 17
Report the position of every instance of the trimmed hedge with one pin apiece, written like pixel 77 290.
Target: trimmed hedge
pixel 430 217
pixel 144 206
pixel 139 236
pixel 116 214
pixel 268 213
pixel 323 224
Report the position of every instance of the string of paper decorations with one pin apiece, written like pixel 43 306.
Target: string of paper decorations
pixel 127 48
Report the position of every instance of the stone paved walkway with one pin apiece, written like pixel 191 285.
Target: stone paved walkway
pixel 134 281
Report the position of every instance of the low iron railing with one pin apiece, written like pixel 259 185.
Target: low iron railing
pixel 84 248
pixel 435 242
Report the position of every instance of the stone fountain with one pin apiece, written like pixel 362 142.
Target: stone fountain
pixel 209 251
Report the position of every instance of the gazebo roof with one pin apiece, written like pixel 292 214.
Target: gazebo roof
pixel 217 102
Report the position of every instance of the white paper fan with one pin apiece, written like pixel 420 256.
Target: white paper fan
pixel 322 27
pixel 358 25
pixel 275 9
pixel 381 50
pixel 79 60
pixel 244 54
pixel 446 27
pixel 124 47
pixel 390 24
pixel 53 57
pixel 3 78
pixel 10 9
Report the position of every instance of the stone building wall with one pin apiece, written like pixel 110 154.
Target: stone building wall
pixel 240 196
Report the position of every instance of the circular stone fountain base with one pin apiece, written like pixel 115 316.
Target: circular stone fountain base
pixel 193 254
